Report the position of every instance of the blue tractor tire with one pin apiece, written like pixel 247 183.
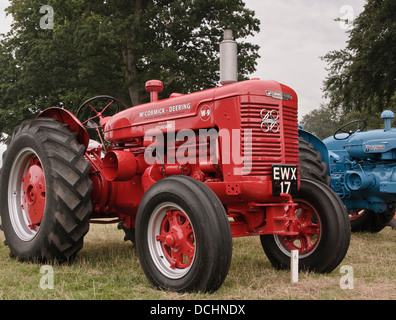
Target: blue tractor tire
pixel 370 221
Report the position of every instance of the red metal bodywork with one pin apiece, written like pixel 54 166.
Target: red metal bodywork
pixel 66 117
pixel 233 113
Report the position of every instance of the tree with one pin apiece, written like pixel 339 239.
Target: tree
pixel 113 47
pixel 324 121
pixel 362 76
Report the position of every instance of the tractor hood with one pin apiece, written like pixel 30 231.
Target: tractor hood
pixel 135 121
pixel 375 144
pixel 372 145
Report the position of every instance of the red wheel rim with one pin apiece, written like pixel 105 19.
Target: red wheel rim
pixel 177 239
pixel 26 194
pixel 309 228
pixel 171 240
pixel 33 198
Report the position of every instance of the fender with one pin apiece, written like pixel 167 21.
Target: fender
pixel 317 144
pixel 69 119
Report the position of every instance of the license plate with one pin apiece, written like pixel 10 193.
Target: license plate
pixel 284 179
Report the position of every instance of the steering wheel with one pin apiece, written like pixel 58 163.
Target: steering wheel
pixel 97 114
pixel 356 125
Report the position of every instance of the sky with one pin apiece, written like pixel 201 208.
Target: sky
pixel 294 35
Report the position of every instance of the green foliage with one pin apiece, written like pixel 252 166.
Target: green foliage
pixel 322 122
pixel 113 47
pixel 362 76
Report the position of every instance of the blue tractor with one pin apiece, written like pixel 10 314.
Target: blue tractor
pixel 360 166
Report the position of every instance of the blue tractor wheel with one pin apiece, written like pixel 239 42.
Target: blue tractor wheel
pixel 370 221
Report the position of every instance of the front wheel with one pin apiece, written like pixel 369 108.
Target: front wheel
pixel 183 237
pixel 324 231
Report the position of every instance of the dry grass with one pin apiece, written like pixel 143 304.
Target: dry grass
pixel 108 268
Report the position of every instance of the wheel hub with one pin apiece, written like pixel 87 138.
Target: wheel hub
pixel 308 227
pixel 170 241
pixel 33 199
pixel 177 239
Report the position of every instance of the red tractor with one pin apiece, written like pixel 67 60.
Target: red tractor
pixel 182 175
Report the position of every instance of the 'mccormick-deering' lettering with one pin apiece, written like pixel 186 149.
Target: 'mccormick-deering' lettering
pixel 160 111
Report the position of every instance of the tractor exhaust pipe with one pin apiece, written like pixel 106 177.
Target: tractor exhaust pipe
pixel 228 59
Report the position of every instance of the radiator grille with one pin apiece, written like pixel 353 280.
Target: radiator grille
pixel 266 148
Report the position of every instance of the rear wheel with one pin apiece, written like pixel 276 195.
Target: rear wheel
pixel 183 237
pixel 311 165
pixel 45 192
pixel 370 221
pixel 324 231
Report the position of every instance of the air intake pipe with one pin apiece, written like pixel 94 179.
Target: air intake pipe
pixel 119 165
pixel 228 59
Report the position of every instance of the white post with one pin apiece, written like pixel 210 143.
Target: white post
pixel 294 266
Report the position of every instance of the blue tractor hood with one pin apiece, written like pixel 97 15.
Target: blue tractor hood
pixel 375 145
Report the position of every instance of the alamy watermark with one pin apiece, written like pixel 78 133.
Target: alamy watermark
pixel 347 18
pixel 47 21
pixel 47 280
pixel 209 146
pixel 346 281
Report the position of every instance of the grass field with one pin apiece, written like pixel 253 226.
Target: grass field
pixel 108 268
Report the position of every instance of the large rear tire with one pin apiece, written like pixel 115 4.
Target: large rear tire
pixel 324 231
pixel 45 192
pixel 311 165
pixel 183 236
